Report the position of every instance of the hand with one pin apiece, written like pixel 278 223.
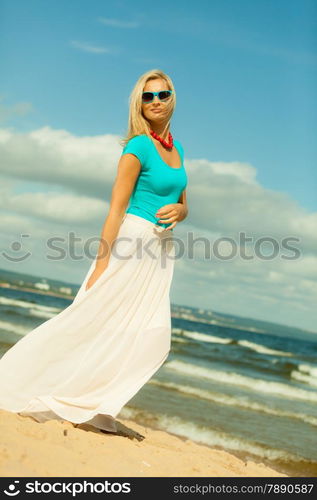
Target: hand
pixel 170 213
pixel 94 277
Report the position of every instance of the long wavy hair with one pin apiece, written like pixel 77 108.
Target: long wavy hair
pixel 137 123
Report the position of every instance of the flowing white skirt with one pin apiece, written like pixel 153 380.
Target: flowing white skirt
pixel 88 361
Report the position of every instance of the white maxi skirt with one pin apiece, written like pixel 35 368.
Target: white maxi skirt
pixel 88 361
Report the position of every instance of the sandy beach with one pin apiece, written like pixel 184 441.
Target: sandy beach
pixel 58 448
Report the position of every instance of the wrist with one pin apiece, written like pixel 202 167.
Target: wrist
pixel 183 212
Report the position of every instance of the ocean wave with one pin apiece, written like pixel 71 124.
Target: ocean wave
pixel 232 378
pixel 177 330
pixel 34 309
pixel 210 437
pixel 42 314
pixel 233 401
pixel 305 373
pixel 206 338
pixel 310 369
pixel 179 339
pixel 263 349
pixel 301 377
pixel 12 328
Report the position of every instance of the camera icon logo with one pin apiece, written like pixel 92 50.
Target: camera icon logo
pixel 13 491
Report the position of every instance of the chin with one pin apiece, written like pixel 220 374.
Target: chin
pixel 157 119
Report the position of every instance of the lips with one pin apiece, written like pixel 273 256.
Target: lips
pixel 156 110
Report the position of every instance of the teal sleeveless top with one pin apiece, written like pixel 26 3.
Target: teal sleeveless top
pixel 158 184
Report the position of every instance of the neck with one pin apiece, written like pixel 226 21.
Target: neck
pixel 159 130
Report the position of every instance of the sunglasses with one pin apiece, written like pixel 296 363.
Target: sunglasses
pixel 162 95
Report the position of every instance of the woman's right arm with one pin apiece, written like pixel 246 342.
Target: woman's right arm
pixel 128 171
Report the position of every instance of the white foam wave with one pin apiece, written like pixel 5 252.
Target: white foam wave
pixel 206 338
pixel 179 339
pixel 12 328
pixel 210 437
pixel 42 314
pixel 234 401
pixel 34 309
pixel 233 378
pixel 263 349
pixel 177 330
pixel 310 369
pixel 302 377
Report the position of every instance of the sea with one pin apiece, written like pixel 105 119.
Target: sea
pixel 239 384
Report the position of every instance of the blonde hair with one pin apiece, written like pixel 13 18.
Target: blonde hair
pixel 137 123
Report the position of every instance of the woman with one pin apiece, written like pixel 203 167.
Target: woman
pixel 87 362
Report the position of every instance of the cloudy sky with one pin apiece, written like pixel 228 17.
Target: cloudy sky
pixel 245 77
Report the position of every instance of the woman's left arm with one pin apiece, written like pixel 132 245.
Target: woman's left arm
pixel 184 207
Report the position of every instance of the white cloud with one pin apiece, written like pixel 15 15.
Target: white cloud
pixel 234 202
pixel 118 23
pixel 22 108
pixel 61 208
pixel 90 47
pixel 85 165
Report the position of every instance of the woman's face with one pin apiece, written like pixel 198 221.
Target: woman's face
pixel 156 111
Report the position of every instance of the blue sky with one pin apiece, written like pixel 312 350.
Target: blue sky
pixel 245 77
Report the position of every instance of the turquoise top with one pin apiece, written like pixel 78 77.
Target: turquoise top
pixel 158 184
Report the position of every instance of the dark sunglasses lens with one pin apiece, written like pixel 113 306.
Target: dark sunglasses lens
pixel 147 96
pixel 165 94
